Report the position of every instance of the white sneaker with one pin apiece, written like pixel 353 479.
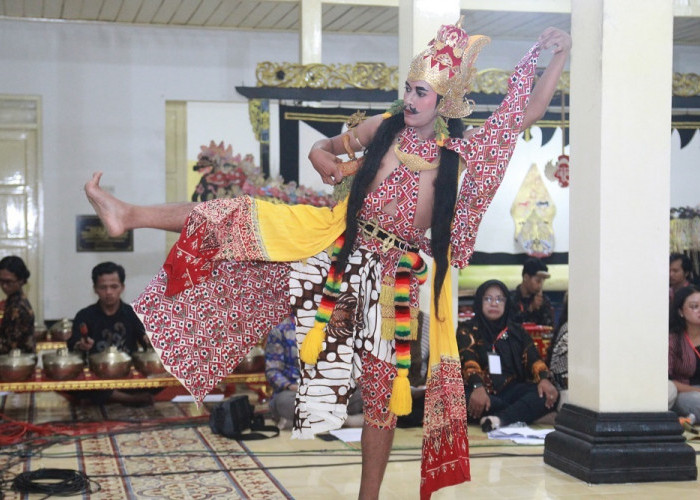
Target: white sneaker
pixel 284 424
pixel 356 420
pixel 490 423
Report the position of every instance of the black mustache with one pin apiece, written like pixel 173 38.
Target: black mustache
pixel 411 109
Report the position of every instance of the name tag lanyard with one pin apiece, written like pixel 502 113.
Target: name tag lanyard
pixel 689 343
pixel 494 358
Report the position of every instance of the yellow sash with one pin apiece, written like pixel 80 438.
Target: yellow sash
pixel 296 232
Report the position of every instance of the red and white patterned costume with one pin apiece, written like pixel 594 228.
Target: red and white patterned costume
pixel 227 296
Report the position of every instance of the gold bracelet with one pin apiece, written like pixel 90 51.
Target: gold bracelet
pixel 354 134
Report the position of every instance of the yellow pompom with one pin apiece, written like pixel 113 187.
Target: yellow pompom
pixel 386 115
pixel 401 402
pixel 313 344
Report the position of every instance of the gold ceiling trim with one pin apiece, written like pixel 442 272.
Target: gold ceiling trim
pixel 378 76
pixel 365 76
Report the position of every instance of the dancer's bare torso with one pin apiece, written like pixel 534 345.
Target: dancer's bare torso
pixel 420 216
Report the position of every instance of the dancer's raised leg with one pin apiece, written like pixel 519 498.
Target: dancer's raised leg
pixel 119 216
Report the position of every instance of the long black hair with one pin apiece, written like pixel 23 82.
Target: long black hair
pixel 444 197
pixel 16 266
pixel 676 322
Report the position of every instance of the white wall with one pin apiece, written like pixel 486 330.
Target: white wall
pixel 685 171
pixel 103 90
pixel 496 233
pixel 686 59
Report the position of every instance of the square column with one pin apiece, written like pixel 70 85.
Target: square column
pixel 617 428
pixel 419 21
pixel 311 32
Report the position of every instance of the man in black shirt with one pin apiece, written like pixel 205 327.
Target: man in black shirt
pixel 109 322
pixel 530 304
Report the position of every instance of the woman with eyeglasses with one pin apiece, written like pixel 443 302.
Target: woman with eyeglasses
pixel 17 325
pixel 505 380
pixel 684 351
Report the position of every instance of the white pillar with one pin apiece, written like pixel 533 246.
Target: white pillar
pixel 419 21
pixel 311 31
pixel 621 69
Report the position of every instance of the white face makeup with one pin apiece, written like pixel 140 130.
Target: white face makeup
pixel 420 110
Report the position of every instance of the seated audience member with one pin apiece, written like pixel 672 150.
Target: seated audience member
pixel 109 322
pixel 684 351
pixel 17 325
pixel 282 373
pixel 529 302
pixel 672 394
pixel 558 352
pixel 679 273
pixel 505 379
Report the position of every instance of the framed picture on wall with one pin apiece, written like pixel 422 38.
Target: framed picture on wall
pixel 91 236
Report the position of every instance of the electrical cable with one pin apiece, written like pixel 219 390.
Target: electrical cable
pixel 59 482
pixel 13 432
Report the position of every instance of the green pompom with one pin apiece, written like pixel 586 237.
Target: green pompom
pixel 395 108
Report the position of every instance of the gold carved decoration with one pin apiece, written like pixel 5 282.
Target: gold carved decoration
pixel 491 81
pixel 366 76
pixel 686 84
pixel 378 76
pixel 495 81
pixel 259 114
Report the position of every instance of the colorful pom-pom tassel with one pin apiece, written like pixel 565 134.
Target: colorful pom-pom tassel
pixel 313 344
pixel 401 402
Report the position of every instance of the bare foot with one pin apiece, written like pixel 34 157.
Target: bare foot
pixel 110 210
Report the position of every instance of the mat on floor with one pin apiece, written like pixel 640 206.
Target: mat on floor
pixel 180 460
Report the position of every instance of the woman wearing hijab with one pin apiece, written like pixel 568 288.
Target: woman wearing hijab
pixel 505 379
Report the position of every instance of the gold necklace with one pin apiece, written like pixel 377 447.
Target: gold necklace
pixel 414 162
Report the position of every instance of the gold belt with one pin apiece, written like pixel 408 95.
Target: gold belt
pixel 372 230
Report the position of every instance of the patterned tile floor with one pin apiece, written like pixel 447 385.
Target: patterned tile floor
pixel 184 460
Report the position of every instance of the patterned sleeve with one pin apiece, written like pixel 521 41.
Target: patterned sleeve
pixel 486 155
pixel 531 358
pixel 75 335
pixel 546 312
pixel 675 359
pixel 466 343
pixel 275 368
pixel 18 324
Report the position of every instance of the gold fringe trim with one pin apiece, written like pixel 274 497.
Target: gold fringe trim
pixel 414 162
pixel 389 326
pixel 388 312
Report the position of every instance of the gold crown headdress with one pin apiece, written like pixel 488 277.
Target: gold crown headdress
pixel 447 65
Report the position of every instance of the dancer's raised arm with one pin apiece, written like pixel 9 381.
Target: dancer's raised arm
pixel 324 153
pixel 542 93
